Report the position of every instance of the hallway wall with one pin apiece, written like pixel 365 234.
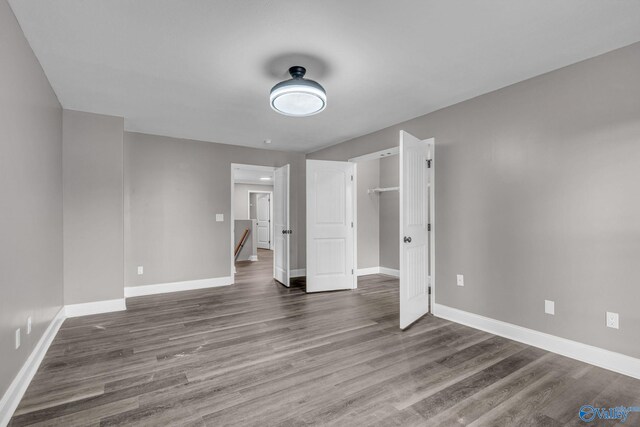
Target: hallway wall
pixel 173 190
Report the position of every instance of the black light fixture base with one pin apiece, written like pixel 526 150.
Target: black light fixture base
pixel 297 72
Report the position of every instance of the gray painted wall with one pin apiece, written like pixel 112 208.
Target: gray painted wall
pixel 174 188
pixel 31 194
pixel 93 207
pixel 368 214
pixel 536 198
pixel 390 213
pixel 241 198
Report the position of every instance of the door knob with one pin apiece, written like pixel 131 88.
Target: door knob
pixel 407 239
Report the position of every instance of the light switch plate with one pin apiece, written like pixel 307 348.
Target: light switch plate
pixel 28 325
pixel 219 217
pixel 613 320
pixel 17 338
pixel 460 280
pixel 549 307
pixel 140 270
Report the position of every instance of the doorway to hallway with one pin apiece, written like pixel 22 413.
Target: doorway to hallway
pixel 260 217
pixel 261 211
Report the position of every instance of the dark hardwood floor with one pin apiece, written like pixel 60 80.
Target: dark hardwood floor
pixel 257 353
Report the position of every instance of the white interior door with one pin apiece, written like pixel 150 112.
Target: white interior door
pixel 414 231
pixel 263 217
pixel 281 230
pixel 330 236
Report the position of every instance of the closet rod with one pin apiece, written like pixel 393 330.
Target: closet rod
pixel 382 190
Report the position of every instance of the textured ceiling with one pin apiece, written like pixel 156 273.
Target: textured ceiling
pixel 202 69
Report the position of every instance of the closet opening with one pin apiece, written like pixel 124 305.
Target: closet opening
pixel 377 225
pixel 393 210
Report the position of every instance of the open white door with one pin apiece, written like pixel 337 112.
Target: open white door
pixel 414 228
pixel 281 230
pixel 263 214
pixel 330 237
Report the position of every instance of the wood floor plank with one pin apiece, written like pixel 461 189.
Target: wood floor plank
pixel 258 353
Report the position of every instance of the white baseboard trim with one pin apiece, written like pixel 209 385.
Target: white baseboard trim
pixel 606 359
pixel 253 258
pixel 390 271
pixel 163 288
pixel 97 307
pixel 367 271
pixel 300 272
pixel 378 270
pixel 18 386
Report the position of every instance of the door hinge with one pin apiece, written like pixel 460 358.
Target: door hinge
pixel 351 224
pixel 428 163
pixel 429 290
pixel 351 177
pixel 352 271
pixel 428 227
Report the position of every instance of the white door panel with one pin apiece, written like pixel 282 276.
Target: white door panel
pixel 281 230
pixel 330 239
pixel 263 209
pixel 414 232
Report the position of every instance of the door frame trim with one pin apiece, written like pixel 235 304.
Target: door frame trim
pixel 232 208
pixel 376 155
pixel 393 151
pixel 270 193
pixel 432 222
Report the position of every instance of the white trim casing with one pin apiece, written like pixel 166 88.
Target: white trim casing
pixel 247 182
pixel 367 271
pixel 253 258
pixel 18 386
pixel 378 270
pixel 97 307
pixel 300 272
pixel 390 271
pixel 606 359
pixel 232 267
pixel 163 288
pixel 354 225
pixel 393 151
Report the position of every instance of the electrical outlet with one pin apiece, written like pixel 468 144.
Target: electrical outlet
pixel 17 338
pixel 219 217
pixel 460 279
pixel 140 270
pixel 28 325
pixel 549 307
pixel 613 320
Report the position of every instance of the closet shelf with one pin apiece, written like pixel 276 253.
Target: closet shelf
pixel 382 190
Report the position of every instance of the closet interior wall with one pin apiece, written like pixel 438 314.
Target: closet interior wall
pixel 378 214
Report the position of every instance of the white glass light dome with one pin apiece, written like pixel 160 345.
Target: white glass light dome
pixel 298 97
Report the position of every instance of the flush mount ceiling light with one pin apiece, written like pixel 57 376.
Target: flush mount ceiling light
pixel 265 178
pixel 298 96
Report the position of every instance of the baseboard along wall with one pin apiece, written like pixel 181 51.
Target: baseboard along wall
pixel 96 307
pixel 18 386
pixel 300 272
pixel 378 270
pixel 162 288
pixel 597 356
